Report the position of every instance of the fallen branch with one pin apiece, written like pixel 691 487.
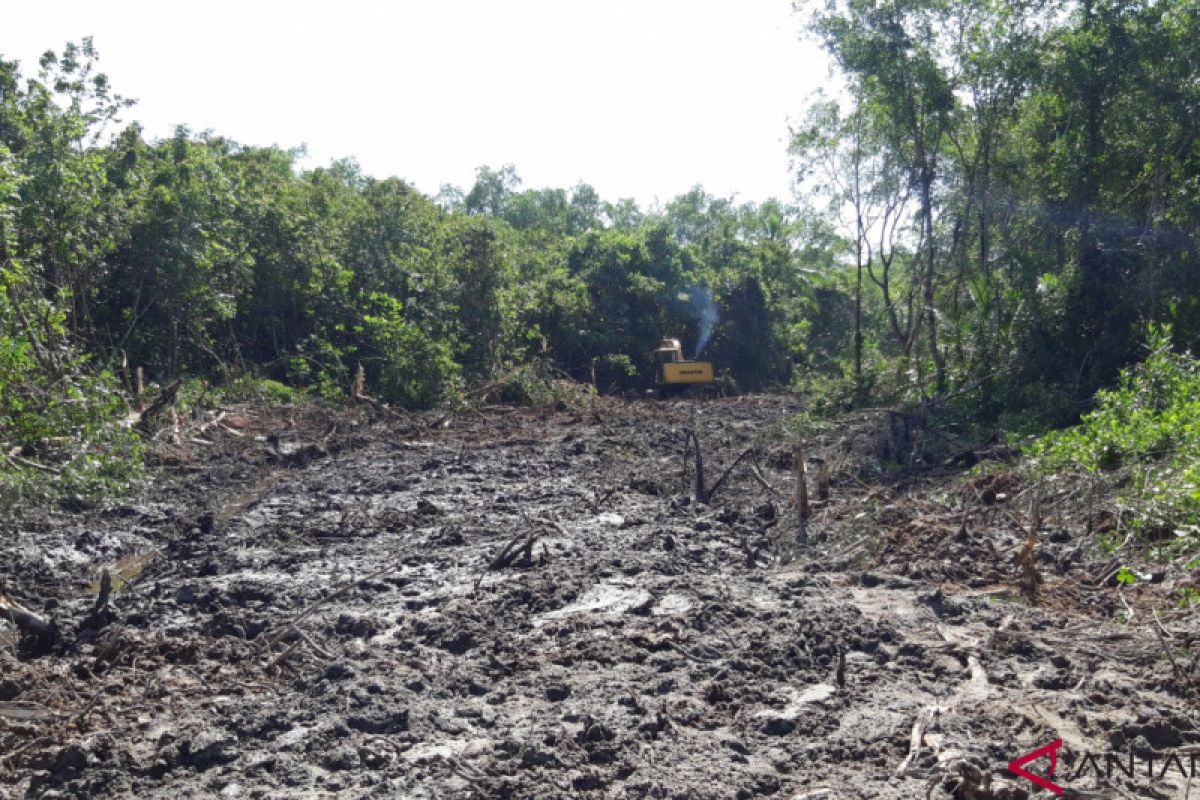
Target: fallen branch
pixel 215 422
pixel 521 543
pixel 728 471
pixel 308 612
pixel 975 687
pixel 917 735
pixel 45 630
pixel 599 499
pixel 163 401
pixel 279 659
pixel 24 462
pixel 686 652
pixel 386 410
pixel 756 473
pixel 25 711
pixel 1166 648
pixel 301 637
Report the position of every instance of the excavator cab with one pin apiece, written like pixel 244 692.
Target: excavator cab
pixel 673 373
pixel 669 352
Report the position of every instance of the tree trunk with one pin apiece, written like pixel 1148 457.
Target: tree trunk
pixel 939 360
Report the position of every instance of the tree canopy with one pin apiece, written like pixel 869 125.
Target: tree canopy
pixel 991 211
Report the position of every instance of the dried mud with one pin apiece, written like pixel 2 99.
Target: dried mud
pixel 530 604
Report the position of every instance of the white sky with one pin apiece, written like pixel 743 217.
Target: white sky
pixel 640 98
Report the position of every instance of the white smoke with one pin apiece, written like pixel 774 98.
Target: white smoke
pixel 701 302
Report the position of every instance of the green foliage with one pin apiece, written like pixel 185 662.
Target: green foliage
pixel 537 384
pixel 74 428
pixel 60 419
pixel 247 387
pixel 195 256
pixel 1003 194
pixel 1015 188
pixel 412 368
pixel 1148 426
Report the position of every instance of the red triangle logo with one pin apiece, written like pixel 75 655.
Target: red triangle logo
pixel 1017 767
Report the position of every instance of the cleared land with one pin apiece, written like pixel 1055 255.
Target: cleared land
pixel 521 603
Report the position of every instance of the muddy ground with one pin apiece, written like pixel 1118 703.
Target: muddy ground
pixel 532 604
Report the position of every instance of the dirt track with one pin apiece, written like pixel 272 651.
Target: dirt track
pixel 529 604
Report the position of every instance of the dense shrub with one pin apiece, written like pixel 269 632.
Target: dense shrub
pixel 1148 428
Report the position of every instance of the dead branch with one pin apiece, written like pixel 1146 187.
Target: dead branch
pixel 301 638
pixel 162 402
pixel 24 462
pixel 1166 648
pixel 728 471
pixel 385 410
pixel 279 659
pixel 215 422
pixel 231 431
pixel 917 735
pixel 45 630
pixel 1107 574
pixel 522 543
pixel 312 607
pixel 756 473
pixel 25 711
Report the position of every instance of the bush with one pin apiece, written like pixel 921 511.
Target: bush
pixel 536 384
pixel 247 387
pixel 61 430
pixel 1149 427
pixel 416 370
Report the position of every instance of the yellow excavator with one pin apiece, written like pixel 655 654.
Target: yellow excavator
pixel 674 374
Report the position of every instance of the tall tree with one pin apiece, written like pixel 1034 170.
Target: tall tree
pixel 890 52
pixel 842 158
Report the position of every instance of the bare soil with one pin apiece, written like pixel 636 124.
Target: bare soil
pixel 532 604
